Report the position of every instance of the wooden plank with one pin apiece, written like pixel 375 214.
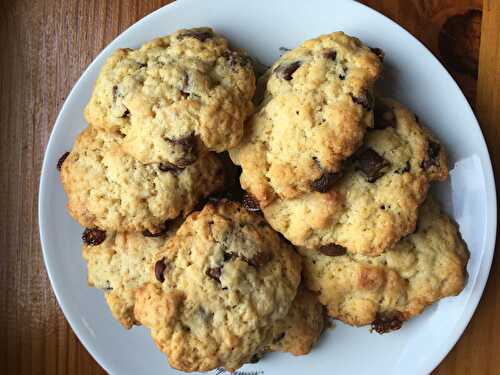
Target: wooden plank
pixel 477 351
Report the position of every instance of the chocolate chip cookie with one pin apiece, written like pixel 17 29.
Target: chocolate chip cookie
pixel 224 280
pixel 376 201
pixel 175 96
pixel 386 290
pixel 119 266
pixel 110 190
pixel 315 111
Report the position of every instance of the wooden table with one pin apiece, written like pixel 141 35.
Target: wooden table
pixel 44 47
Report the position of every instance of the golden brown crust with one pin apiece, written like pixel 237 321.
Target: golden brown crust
pixel 424 267
pixel 375 203
pixel 315 112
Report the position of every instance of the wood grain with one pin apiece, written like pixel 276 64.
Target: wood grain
pixel 44 47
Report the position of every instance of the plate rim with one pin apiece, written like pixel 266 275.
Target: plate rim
pixel 484 263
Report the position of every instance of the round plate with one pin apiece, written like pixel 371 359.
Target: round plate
pixel 412 75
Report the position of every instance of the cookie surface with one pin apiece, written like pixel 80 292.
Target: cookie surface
pixel 174 96
pixel 316 109
pixel 300 330
pixel 119 266
pixel 375 203
pixel 224 279
pixel 110 190
pixel 386 290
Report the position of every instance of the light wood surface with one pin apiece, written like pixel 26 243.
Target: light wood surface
pixel 44 47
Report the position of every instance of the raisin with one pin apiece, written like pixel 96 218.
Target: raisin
pixel 286 70
pixel 215 273
pixel 93 236
pixel 333 250
pixel 160 267
pixel 61 160
pixel 250 203
pixel 385 323
pixel 432 159
pixel 371 164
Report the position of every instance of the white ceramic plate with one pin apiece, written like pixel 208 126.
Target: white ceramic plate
pixel 412 75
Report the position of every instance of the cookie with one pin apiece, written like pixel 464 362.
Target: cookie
pixel 119 266
pixel 386 290
pixel 224 280
pixel 376 201
pixel 175 96
pixel 300 330
pixel 110 190
pixel 316 109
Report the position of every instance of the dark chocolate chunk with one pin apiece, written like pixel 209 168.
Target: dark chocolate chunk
pixel 332 250
pixel 385 323
pixel 250 203
pixel 200 34
pixel 371 164
pixel 432 159
pixel 215 273
pixel 93 236
pixel 364 99
pixel 286 70
pixel 61 160
pixel 326 181
pixel 330 55
pixel 384 117
pixel 160 267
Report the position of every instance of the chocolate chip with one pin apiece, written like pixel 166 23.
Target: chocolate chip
pixel 432 159
pixel 259 259
pixel 378 52
pixel 187 147
pixel 228 256
pixel 384 117
pixel 160 267
pixel 325 182
pixel 371 164
pixel 385 323
pixel 215 273
pixel 286 70
pixel 364 99
pixel 330 55
pixel 184 94
pixel 93 236
pixel 162 230
pixel 250 203
pixel 126 113
pixel 341 77
pixel 332 250
pixel 61 160
pixel 200 34
pixel 404 169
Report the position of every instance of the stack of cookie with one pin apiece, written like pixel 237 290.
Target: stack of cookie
pixel 335 212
